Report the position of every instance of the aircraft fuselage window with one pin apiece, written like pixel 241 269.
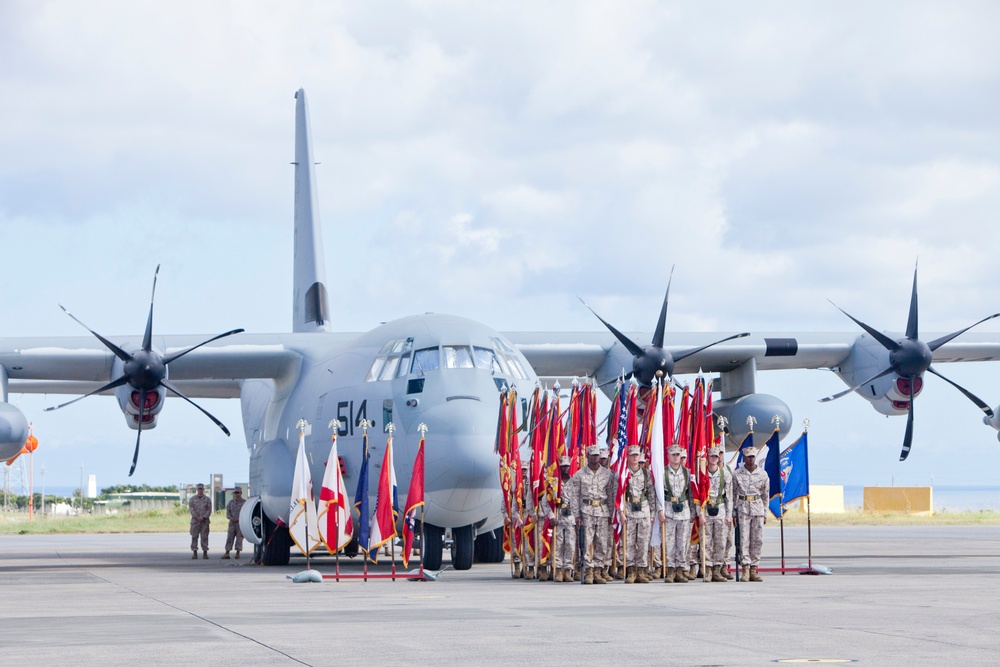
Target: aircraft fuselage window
pixel 457 356
pixel 427 359
pixel 404 365
pixel 376 368
pixel 508 358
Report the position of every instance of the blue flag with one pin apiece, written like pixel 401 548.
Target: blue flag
pixel 361 499
pixel 795 471
pixel 747 442
pixel 773 470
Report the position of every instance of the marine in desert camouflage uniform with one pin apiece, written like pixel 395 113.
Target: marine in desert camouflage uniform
pixel 593 489
pixel 751 486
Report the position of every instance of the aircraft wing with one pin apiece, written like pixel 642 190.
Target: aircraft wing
pixel 566 355
pixel 76 365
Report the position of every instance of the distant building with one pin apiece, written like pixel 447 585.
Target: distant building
pixel 137 502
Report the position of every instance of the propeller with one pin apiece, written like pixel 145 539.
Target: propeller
pixel 145 370
pixel 910 358
pixel 647 360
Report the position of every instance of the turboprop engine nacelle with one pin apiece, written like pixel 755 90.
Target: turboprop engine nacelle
pixel 13 430
pixel 889 395
pixel 128 400
pixel 992 422
pixel 762 407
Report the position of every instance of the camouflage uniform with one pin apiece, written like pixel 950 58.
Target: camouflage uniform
pixel 677 489
pixel 728 551
pixel 751 489
pixel 639 499
pixel 200 508
pixel 234 536
pixel 565 532
pixel 720 493
pixel 594 493
pixel 537 536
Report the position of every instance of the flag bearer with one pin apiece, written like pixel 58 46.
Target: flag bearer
pixel 718 516
pixel 676 515
pixel 593 488
pixel 565 531
pixel 638 501
pixel 751 485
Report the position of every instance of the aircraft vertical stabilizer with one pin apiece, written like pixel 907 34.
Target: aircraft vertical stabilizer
pixel 311 305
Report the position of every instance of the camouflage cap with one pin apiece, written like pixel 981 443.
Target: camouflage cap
pixel 564 461
pixel 749 450
pixel 675 449
pixel 634 449
pixel 593 450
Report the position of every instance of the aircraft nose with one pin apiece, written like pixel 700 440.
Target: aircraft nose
pixel 461 478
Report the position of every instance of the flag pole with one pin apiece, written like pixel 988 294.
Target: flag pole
pixel 364 431
pixel 781 523
pixel 335 425
pixel 809 534
pixel 392 543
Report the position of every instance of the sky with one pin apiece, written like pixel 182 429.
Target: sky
pixel 496 160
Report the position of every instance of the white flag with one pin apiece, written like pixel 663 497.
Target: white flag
pixel 302 523
pixel 656 462
pixel 333 506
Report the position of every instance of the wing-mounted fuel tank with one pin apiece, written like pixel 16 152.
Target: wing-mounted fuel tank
pixel 13 430
pixel 762 407
pixel 889 394
pixel 13 425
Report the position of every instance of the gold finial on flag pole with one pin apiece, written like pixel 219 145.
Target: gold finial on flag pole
pixel 423 429
pixel 751 420
pixel 805 425
pixel 364 424
pixel 776 420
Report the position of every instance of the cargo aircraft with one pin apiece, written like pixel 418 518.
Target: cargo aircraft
pixel 441 370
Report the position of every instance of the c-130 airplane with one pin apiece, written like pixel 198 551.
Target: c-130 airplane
pixel 444 371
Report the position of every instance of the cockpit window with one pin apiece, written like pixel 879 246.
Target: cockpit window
pixel 486 359
pixel 508 358
pixel 386 364
pixel 425 360
pixel 457 356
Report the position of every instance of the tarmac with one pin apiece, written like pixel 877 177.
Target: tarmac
pixel 897 596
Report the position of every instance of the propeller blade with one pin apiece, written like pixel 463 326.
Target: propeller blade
pixel 856 387
pixel 147 338
pixel 661 324
pixel 621 378
pixel 111 385
pixel 178 355
pixel 968 394
pixel 886 342
pixel 138 435
pixel 911 320
pixel 908 436
pixel 206 412
pixel 633 349
pixel 687 353
pixel 938 342
pixel 120 353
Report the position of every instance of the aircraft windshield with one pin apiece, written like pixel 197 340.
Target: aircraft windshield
pixel 428 359
pixel 392 361
pixel 457 356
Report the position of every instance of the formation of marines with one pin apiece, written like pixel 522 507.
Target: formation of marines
pixel 582 522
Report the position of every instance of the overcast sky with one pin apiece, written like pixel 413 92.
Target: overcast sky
pixel 495 161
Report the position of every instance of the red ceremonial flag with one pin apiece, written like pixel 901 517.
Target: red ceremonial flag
pixel 414 501
pixel 383 521
pixel 336 521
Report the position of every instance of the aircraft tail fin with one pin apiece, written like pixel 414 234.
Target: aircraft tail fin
pixel 311 304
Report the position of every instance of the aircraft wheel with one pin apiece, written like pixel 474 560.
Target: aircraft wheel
pixel 433 546
pixel 462 547
pixel 489 547
pixel 277 544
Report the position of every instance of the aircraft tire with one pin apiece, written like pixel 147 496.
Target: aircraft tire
pixel 489 547
pixel 462 548
pixel 277 545
pixel 433 546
